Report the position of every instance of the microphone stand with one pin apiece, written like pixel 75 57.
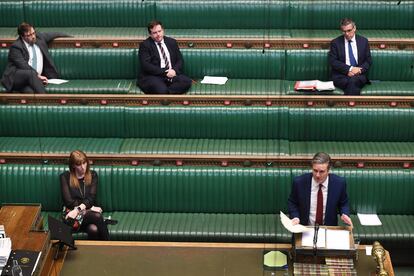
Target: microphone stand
pixel 315 239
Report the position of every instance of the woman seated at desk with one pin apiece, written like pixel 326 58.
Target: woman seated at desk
pixel 78 188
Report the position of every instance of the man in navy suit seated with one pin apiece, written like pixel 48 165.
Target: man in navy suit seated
pixel 161 64
pixel 318 197
pixel 350 59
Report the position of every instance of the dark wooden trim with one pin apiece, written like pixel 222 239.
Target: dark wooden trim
pixel 209 160
pixel 195 42
pixel 210 100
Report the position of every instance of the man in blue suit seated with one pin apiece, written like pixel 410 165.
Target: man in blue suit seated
pixel 318 197
pixel 350 59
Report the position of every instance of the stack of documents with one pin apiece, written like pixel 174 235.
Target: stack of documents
pixel 5 250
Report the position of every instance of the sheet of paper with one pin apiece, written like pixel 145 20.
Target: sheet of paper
pixel 337 239
pixel 57 81
pixel 214 80
pixel 307 238
pixel 287 223
pixel 325 85
pixel 369 219
pixel 368 250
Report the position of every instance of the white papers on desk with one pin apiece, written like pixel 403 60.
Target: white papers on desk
pixel 368 250
pixel 369 219
pixel 5 250
pixel 214 80
pixel 337 239
pixel 307 238
pixel 56 81
pixel 287 223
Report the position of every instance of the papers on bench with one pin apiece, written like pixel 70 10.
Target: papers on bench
pixel 314 85
pixel 369 219
pixel 287 223
pixel 214 80
pixel 56 81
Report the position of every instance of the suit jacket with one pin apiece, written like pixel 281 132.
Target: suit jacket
pixel 337 56
pixel 150 60
pixel 299 199
pixel 19 57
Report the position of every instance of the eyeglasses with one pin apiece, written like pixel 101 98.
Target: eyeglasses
pixel 348 31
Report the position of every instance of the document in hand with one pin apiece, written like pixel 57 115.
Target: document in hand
pixel 314 85
pixel 287 223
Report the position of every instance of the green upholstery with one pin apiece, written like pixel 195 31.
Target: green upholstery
pixel 96 63
pixel 206 122
pixel 216 203
pixel 212 19
pixel 233 63
pixel 89 13
pixel 250 71
pixel 11 13
pixel 352 125
pixel 325 14
pixel 59 121
pixel 340 148
pixel 243 130
pixel 244 147
pixel 243 14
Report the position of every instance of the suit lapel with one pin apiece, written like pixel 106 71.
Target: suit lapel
pixel 25 51
pixel 359 48
pixel 308 190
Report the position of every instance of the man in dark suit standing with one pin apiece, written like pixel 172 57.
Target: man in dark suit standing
pixel 350 59
pixel 161 64
pixel 317 197
pixel 29 63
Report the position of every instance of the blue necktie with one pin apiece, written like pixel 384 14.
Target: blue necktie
pixel 351 54
pixel 34 60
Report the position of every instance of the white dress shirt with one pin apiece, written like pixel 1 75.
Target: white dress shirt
pixel 39 67
pixel 167 53
pixel 354 51
pixel 314 199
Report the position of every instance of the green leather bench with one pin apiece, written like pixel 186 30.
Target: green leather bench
pixel 250 72
pixel 193 130
pixel 212 19
pixel 216 204
pixel 391 72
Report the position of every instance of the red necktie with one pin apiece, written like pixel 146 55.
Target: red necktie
pixel 319 207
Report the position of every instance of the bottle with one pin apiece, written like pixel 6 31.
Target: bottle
pixel 16 269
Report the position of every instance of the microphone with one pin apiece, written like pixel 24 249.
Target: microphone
pixel 315 238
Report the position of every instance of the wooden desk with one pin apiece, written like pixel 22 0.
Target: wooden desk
pixel 24 224
pixel 163 258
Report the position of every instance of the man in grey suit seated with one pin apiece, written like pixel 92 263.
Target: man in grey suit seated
pixel 29 63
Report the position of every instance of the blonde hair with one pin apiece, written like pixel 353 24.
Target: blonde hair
pixel 77 158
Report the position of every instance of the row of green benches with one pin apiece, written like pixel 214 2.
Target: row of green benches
pixel 216 204
pixel 195 130
pixel 214 19
pixel 250 72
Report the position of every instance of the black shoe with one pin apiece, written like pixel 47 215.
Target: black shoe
pixel 110 221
